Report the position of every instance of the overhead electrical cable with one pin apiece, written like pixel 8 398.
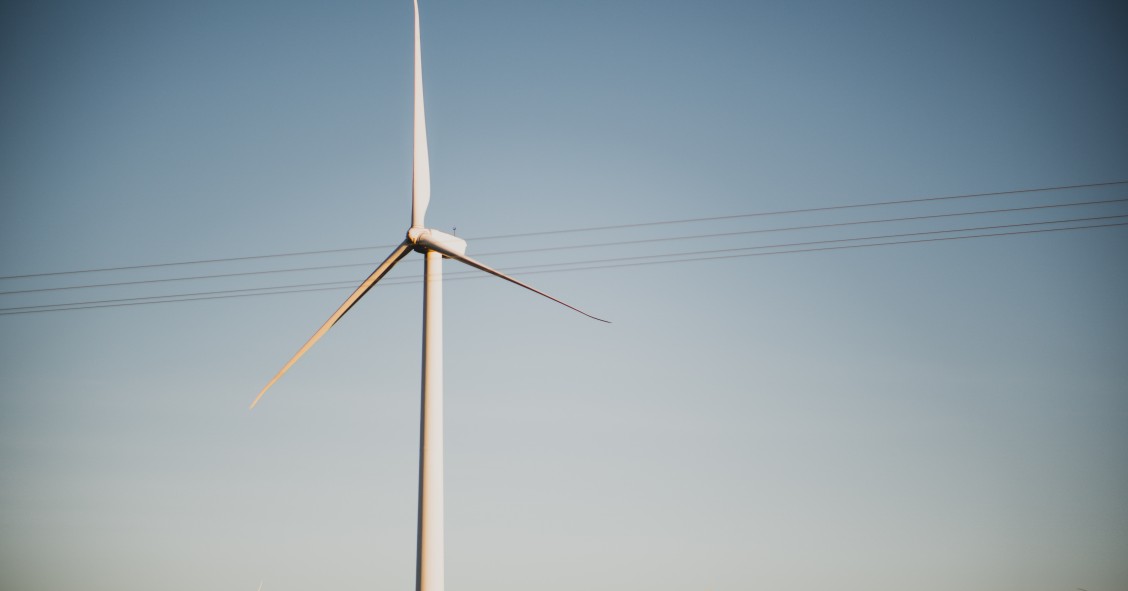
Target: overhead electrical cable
pixel 578 246
pixel 190 278
pixel 196 295
pixel 196 262
pixel 839 240
pixel 824 248
pixel 590 228
pixel 808 210
pixel 795 228
pixel 590 264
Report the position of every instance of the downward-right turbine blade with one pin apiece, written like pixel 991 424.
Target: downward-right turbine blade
pixel 495 272
pixel 421 164
pixel 353 298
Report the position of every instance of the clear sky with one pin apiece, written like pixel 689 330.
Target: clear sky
pixel 929 416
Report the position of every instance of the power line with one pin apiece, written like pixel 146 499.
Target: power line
pixel 202 295
pixel 191 278
pixel 840 240
pixel 196 262
pixel 842 247
pixel 578 246
pixel 589 228
pixel 584 265
pixel 812 209
pixel 807 227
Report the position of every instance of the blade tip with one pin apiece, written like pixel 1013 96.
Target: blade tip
pixel 257 398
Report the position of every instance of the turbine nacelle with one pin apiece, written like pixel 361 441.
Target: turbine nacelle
pixel 424 239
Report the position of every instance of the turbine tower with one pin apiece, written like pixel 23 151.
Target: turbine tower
pixel 435 246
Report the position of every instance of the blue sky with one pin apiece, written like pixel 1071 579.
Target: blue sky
pixel 931 416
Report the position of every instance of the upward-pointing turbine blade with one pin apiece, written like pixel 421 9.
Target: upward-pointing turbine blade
pixel 421 166
pixel 376 275
pixel 495 272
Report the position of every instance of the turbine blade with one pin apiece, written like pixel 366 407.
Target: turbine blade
pixel 421 166
pixel 495 272
pixel 376 275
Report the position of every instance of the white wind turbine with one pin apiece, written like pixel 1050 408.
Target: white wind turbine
pixel 435 246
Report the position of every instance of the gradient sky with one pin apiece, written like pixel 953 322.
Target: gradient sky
pixel 935 416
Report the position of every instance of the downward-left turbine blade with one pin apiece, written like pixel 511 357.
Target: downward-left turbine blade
pixel 421 165
pixel 495 272
pixel 376 275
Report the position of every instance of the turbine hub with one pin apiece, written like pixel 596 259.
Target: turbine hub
pixel 424 239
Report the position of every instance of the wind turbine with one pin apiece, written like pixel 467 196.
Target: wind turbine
pixel 435 246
